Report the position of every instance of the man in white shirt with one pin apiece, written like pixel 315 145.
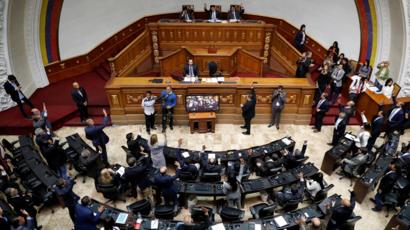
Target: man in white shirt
pixel 148 103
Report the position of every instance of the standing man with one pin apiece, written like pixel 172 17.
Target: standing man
pixel 79 96
pixel 169 101
pixel 321 108
pixel 187 13
pixel 13 88
pixel 148 103
pixel 85 218
pixel 396 118
pixel 385 186
pixel 191 70
pixel 95 133
pixel 67 198
pixel 337 77
pixel 166 185
pixel 278 103
pixel 376 129
pixel 300 38
pixel 339 129
pixel 235 15
pixel 248 111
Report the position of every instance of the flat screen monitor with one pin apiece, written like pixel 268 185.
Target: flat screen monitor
pixel 202 103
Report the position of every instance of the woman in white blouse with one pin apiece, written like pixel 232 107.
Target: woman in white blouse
pixel 388 87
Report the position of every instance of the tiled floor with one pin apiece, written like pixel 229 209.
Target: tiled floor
pixel 225 137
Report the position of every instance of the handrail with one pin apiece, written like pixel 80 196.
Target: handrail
pixel 128 46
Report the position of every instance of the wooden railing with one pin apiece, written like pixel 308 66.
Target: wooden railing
pixel 172 62
pixel 283 50
pixel 248 62
pixel 131 56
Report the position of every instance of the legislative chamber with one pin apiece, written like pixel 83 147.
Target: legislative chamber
pixel 206 115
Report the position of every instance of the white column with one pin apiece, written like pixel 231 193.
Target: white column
pixel 404 77
pixel 5 101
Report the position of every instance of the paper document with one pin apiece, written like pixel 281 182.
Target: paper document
pixel 219 226
pixel 286 141
pixel 280 221
pixel 154 224
pixel 258 227
pixel 185 154
pixel 220 79
pixel 122 217
pixel 211 156
pixel 350 136
pixel 121 170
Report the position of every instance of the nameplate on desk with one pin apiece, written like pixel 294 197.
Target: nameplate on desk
pixel 122 218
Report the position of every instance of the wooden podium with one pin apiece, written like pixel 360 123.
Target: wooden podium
pixel 202 122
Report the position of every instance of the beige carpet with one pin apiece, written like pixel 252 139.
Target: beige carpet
pixel 225 137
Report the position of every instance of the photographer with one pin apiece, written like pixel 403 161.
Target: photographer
pixel 278 103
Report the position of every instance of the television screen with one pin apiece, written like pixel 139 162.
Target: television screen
pixel 202 103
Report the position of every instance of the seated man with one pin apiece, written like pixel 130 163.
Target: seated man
pixel 190 224
pixel 186 166
pixel 316 223
pixel 211 166
pixel 165 184
pixel 91 162
pixel 234 14
pixel 260 168
pixel 292 193
pixel 239 169
pixel 191 70
pixel 214 14
pixel 352 165
pixel 314 184
pixel 108 177
pixel 187 13
pixel 343 212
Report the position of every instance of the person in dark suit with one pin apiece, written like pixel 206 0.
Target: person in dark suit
pixel 293 193
pixel 278 103
pixel 165 184
pixel 248 111
pixel 385 187
pixel 376 128
pixel 395 118
pixel 187 13
pixel 343 212
pixel 291 159
pixel 321 108
pixel 21 202
pixel 213 69
pixel 52 152
pixel 85 218
pixel 135 175
pixel 191 69
pixel 80 98
pixel 133 145
pixel 95 133
pixel 339 128
pixel 13 88
pixel 213 13
pixel 234 14
pixel 212 166
pixel 300 38
pixel 68 199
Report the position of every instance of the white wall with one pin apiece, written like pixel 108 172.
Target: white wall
pixel 86 23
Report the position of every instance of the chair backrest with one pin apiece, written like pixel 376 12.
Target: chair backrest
pixel 268 211
pixel 350 223
pixel 291 205
pixel 109 191
pixel 164 212
pixel 210 177
pixel 142 206
pixel 187 176
pixel 396 89
pixel 231 214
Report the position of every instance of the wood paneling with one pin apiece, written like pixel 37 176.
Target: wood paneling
pixel 131 56
pixel 249 63
pixel 285 52
pixel 173 62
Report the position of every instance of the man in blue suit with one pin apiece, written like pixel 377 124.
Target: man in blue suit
pixel 165 183
pixel 84 216
pixel 395 118
pixel 321 108
pixel 95 133
pixel 169 101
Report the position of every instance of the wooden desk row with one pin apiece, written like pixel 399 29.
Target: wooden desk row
pixel 126 93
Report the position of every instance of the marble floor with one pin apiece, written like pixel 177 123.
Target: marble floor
pixel 226 137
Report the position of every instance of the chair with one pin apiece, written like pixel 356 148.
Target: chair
pixel 274 171
pixel 350 223
pixel 187 176
pixel 262 210
pixel 301 160
pixel 198 215
pixel 322 194
pixel 210 177
pixel 165 212
pixel 291 205
pixel 212 68
pixel 111 192
pixel 229 214
pixel 142 206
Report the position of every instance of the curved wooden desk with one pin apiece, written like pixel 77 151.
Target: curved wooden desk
pixel 125 95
